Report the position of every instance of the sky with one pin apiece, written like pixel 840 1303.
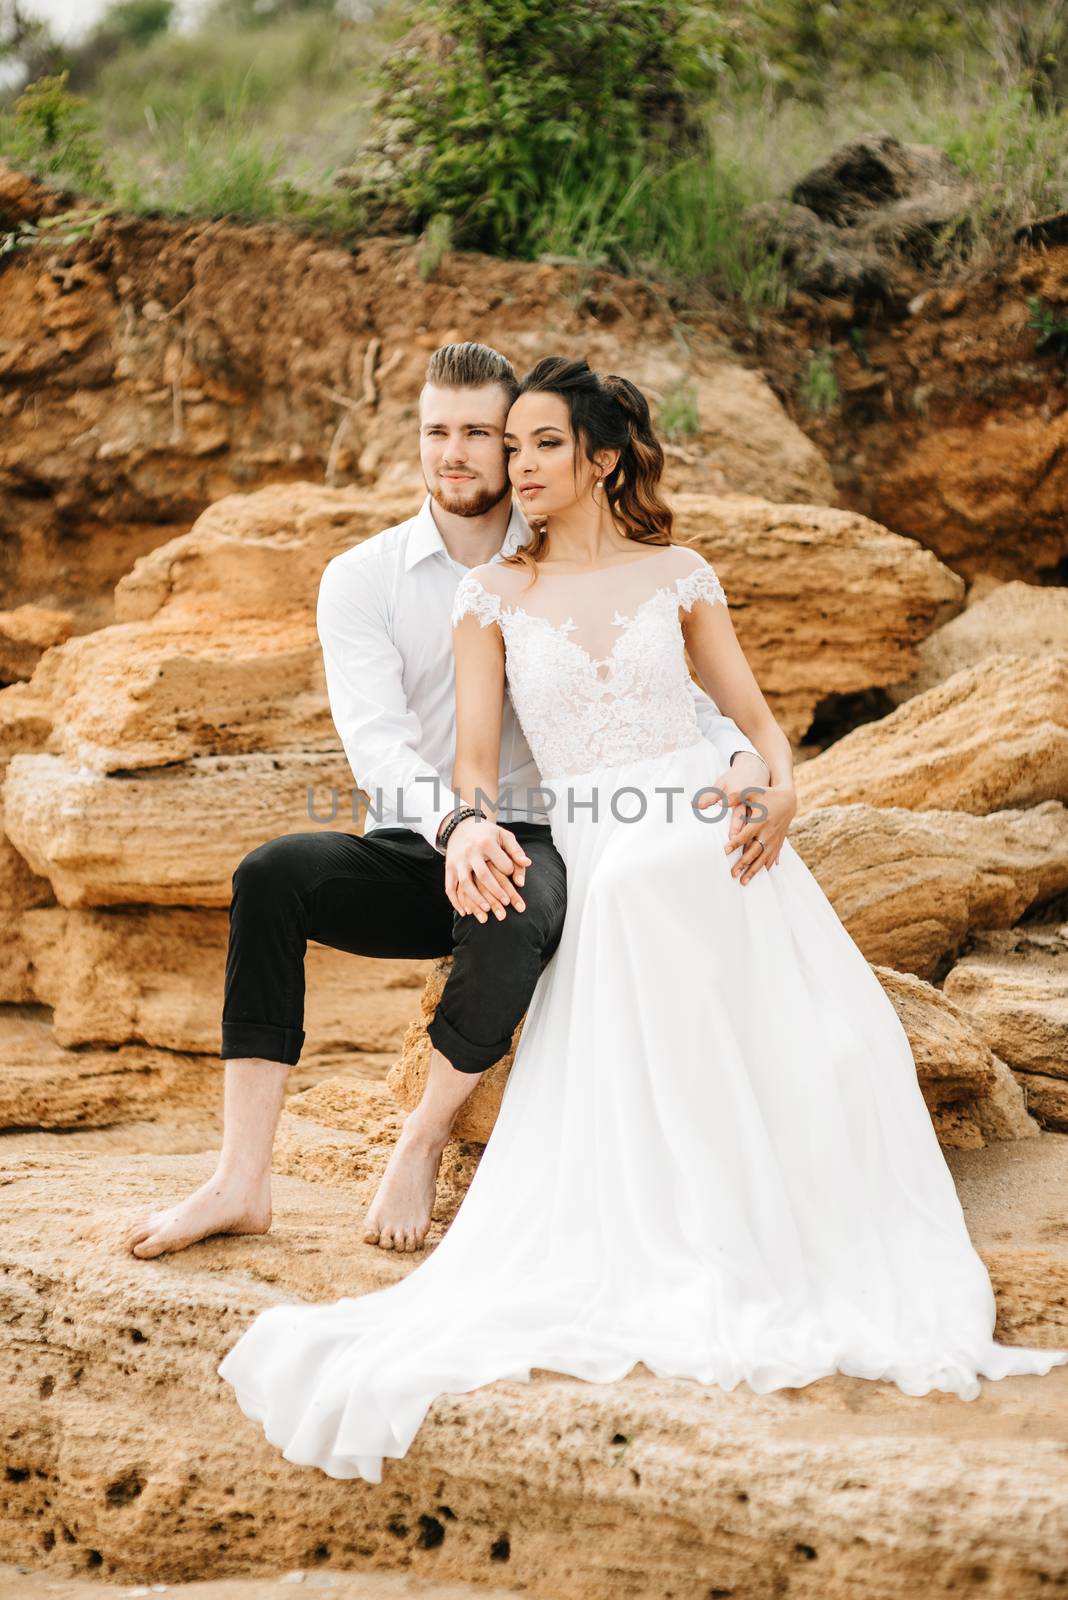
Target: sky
pixel 69 19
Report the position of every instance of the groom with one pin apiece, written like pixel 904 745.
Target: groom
pixel 383 620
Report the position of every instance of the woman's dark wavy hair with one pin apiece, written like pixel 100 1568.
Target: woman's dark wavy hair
pixel 607 413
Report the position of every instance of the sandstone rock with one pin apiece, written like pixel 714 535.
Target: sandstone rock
pixel 824 602
pixel 157 976
pixel 741 427
pixel 255 554
pixel 407 1077
pixel 972 1096
pixel 25 720
pixel 25 634
pixel 19 891
pixel 169 836
pixel 989 493
pixel 691 1488
pixel 1020 619
pixel 1005 1111
pixel 146 695
pixel 134 1100
pixel 909 885
pixel 1013 986
pixel 44 1086
pixel 992 735
pixel 1047 1098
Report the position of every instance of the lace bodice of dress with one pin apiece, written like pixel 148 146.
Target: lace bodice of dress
pixel 595 661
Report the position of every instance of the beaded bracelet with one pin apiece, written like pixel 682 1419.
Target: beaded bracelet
pixel 458 816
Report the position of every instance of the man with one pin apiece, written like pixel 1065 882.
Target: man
pixel 383 619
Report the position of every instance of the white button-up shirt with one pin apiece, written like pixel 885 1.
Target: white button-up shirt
pixel 384 620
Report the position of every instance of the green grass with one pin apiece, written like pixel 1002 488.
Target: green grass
pixel 678 414
pixel 819 387
pixel 201 76
pixel 253 123
pixel 1017 157
pixel 436 240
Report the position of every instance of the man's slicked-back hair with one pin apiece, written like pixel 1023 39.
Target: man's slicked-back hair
pixel 470 366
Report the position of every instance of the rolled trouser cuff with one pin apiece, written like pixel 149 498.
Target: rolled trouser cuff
pixel 460 1052
pixel 262 1040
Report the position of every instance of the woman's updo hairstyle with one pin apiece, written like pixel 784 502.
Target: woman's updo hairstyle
pixel 607 413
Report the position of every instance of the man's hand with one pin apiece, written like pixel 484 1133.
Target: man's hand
pixel 484 867
pixel 739 781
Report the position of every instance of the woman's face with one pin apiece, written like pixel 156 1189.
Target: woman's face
pixel 547 474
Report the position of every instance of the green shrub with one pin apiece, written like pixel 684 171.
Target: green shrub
pixel 808 48
pixel 677 413
pixel 519 92
pixel 436 240
pixel 819 389
pixel 54 133
pixel 1050 328
pixel 1017 156
pixel 135 22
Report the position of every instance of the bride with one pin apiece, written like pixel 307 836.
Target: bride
pixel 712 1154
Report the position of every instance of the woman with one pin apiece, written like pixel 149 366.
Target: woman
pixel 712 1154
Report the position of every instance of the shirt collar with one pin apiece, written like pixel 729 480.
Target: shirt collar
pixel 425 536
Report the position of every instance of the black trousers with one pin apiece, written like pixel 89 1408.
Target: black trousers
pixel 383 894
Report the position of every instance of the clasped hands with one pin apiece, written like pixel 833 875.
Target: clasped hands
pixel 484 869
pixel 485 865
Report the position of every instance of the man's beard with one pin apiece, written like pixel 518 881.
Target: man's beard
pixel 476 505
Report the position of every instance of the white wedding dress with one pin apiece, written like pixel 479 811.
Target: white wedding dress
pixel 712 1155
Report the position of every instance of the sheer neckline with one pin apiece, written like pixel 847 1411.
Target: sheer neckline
pixel 616 566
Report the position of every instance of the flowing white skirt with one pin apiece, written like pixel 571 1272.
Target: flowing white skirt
pixel 712 1156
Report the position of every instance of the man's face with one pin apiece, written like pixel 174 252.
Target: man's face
pixel 461 447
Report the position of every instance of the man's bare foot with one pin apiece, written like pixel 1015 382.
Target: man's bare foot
pixel 218 1206
pixel 399 1215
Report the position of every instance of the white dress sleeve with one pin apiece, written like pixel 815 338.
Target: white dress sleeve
pixel 699 583
pixel 472 596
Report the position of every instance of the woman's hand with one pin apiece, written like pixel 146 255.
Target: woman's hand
pixel 728 678
pixel 761 837
pixel 484 865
